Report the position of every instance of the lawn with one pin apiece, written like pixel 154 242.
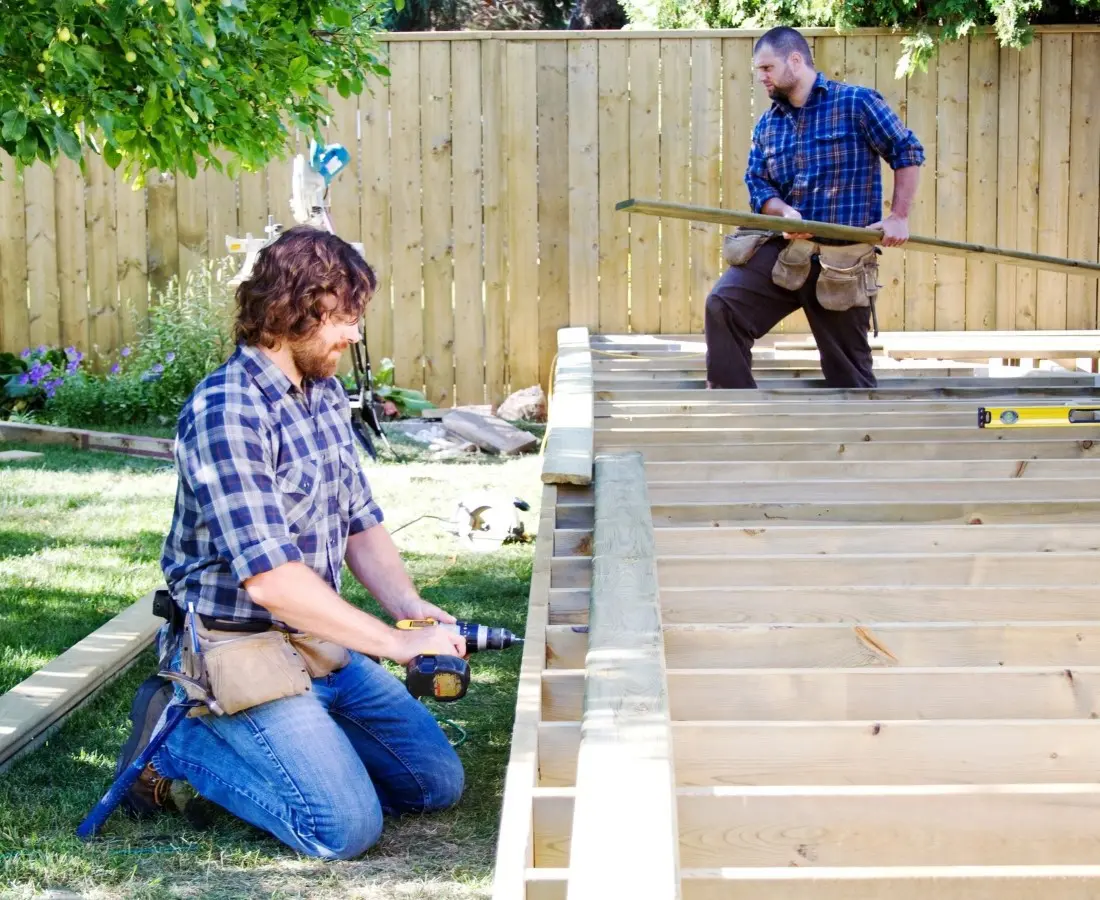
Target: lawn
pixel 80 538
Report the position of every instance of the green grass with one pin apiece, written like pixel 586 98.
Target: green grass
pixel 80 538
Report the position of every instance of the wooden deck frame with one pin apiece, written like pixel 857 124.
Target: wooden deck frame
pixel 569 423
pixel 880 643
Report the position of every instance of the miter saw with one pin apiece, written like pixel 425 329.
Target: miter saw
pixel 309 205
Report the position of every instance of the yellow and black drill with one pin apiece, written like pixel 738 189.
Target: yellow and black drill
pixel 447 678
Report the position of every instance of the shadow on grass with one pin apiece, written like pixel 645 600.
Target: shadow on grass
pixel 44 796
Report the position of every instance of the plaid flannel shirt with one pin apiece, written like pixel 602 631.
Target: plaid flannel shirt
pixel 821 159
pixel 268 474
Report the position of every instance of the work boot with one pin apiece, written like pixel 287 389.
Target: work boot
pixel 151 792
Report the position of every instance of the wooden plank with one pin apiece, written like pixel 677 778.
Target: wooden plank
pixel 920 268
pixel 869 539
pixel 569 438
pixel 876 694
pixel 584 213
pixel 706 136
pixel 469 315
pixel 18 455
pixel 436 138
pixel 496 220
pixel 865 883
pixel 514 847
pixel 489 432
pixel 162 219
pixel 890 304
pixel 872 644
pixel 407 226
pixel 737 96
pixel 42 263
pixel 1083 230
pixel 35 707
pixel 1027 218
pixel 1012 751
pixel 626 741
pixel 192 247
pixel 951 179
pixel 375 220
pixel 981 180
pixel 103 255
pixel 1057 52
pixel 1008 153
pixel 72 254
pixel 133 257
pixel 346 200
pixel 521 122
pixel 553 201
pixel 253 210
pixel 979 391
pixel 676 298
pixel 645 173
pixel 614 183
pixel 808 421
pixel 903 603
pixel 14 313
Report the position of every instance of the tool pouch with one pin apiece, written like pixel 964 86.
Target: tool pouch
pixel 246 670
pixel 849 277
pixel 738 248
pixel 792 266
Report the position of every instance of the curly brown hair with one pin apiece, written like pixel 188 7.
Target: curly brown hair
pixel 287 295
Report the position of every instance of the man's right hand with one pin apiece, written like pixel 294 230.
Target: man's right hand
pixel 432 640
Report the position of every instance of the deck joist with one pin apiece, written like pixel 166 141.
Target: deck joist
pixel 799 642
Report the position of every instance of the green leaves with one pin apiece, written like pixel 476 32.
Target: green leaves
pixel 159 86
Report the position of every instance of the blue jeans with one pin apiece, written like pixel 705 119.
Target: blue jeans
pixel 319 770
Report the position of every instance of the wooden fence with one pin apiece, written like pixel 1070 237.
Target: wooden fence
pixel 485 175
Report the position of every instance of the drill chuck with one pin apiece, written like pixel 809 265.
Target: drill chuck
pixel 485 637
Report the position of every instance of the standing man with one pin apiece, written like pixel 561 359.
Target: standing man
pixel 318 740
pixel 815 155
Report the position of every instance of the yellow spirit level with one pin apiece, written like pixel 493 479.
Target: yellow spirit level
pixel 1037 416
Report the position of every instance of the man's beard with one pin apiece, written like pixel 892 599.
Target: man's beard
pixel 781 94
pixel 315 361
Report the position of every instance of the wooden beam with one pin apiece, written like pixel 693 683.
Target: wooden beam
pixel 938 692
pixel 83 439
pixel 37 706
pixel 569 426
pixel 515 841
pixel 870 603
pixel 624 828
pixel 867 490
pixel 850 645
pixel 852 234
pixel 867 883
pixel 915 467
pixel 1008 751
pixel 1018 389
pixel 624 438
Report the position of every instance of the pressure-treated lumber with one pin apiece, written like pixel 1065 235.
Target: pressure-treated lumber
pixel 900 751
pixel 133 445
pixel 845 470
pixel 624 827
pixel 569 423
pixel 862 235
pixel 895 692
pixel 31 710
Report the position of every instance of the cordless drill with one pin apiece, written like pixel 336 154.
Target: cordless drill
pixel 447 678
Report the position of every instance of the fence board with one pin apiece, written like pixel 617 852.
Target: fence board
pixel 1054 174
pixel 435 149
pixel 981 182
pixel 466 162
pixel 645 181
pixel 520 160
pixel 44 295
pixel 706 172
pixel 486 202
pixel 1084 177
pixel 72 255
pixel 408 232
pixel 614 133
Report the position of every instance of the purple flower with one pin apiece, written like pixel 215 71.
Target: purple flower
pixel 42 348
pixel 73 365
pixel 26 354
pixel 51 387
pixel 115 369
pixel 124 352
pixel 169 357
pixel 23 379
pixel 157 369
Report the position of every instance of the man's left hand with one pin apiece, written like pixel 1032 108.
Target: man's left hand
pixel 419 608
pixel 895 230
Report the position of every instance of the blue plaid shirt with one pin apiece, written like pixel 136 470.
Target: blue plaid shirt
pixel 268 474
pixel 822 159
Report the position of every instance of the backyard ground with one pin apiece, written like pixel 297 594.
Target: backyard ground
pixel 80 539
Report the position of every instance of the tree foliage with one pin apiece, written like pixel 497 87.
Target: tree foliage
pixel 172 84
pixel 930 22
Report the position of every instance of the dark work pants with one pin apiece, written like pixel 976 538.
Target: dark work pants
pixel 745 304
